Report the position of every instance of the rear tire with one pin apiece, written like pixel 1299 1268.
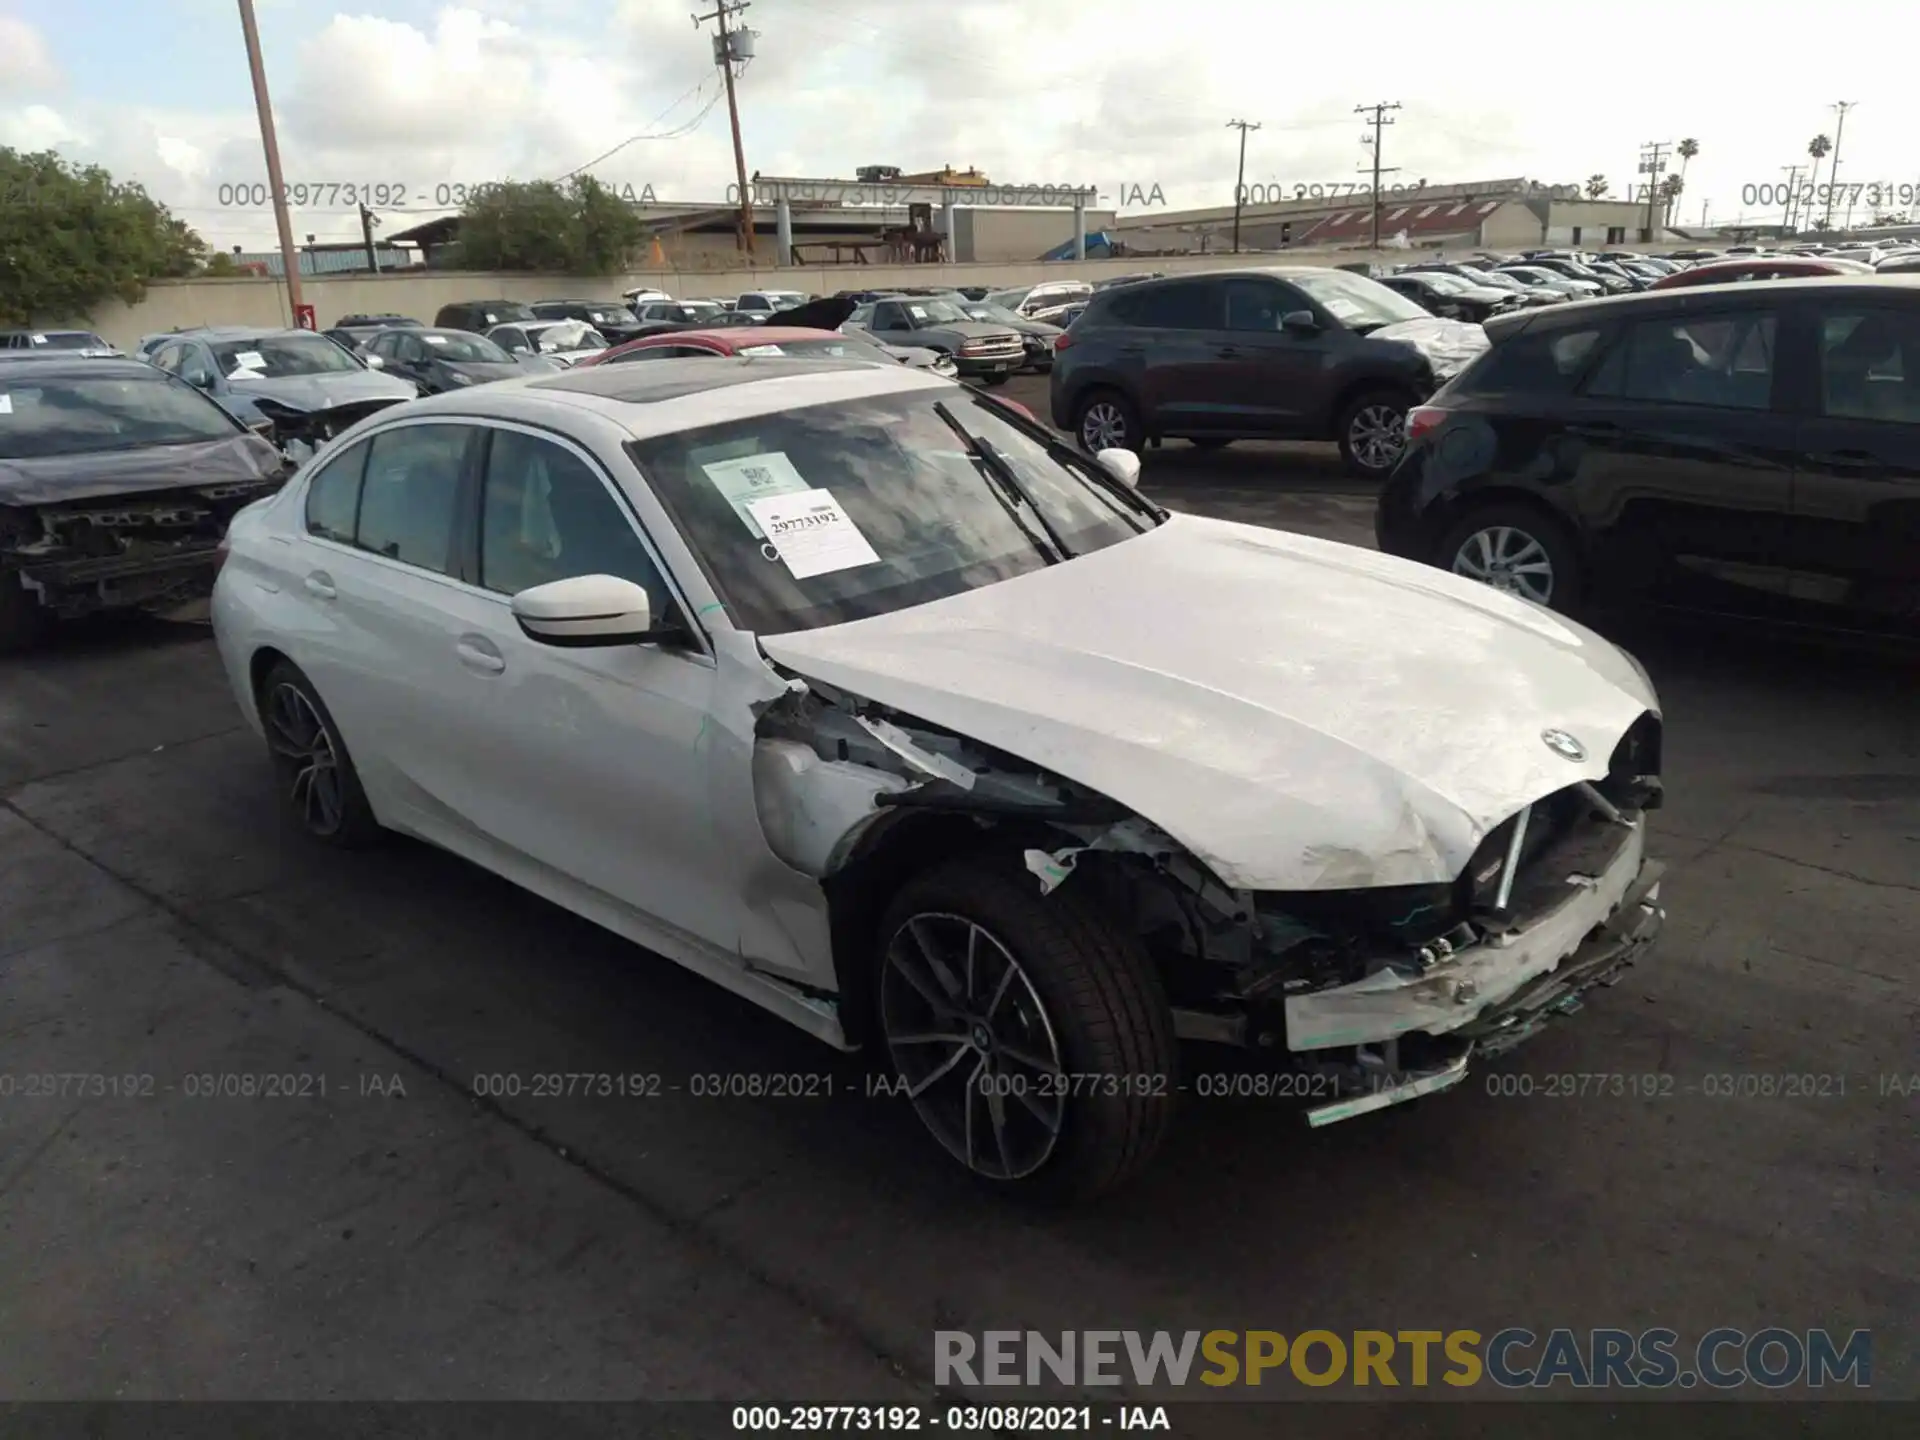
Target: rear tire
pixel 1106 419
pixel 1049 1006
pixel 1519 549
pixel 318 783
pixel 1373 433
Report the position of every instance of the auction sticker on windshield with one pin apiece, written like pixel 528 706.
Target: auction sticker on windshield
pixel 434 339
pixel 6 404
pixel 748 478
pixel 812 534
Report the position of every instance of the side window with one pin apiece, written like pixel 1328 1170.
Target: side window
pixel 1195 305
pixel 196 367
pixel 333 495
pixel 1256 305
pixel 546 515
pixel 1537 362
pixel 888 317
pixel 1870 365
pixel 410 499
pixel 169 358
pixel 1724 361
pixel 509 337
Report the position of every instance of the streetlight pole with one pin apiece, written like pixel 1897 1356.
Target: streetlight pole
pixel 289 257
pixel 723 50
pixel 1240 180
pixel 1833 170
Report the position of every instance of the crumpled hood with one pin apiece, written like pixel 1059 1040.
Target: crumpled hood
pixel 58 479
pixel 1448 345
pixel 323 392
pixel 1299 714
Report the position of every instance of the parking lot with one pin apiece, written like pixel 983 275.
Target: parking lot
pixel 397 1235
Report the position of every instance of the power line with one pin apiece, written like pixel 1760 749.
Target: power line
pixel 1240 180
pixel 673 134
pixel 1376 127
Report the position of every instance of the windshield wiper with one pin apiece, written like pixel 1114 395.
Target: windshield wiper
pixel 1007 488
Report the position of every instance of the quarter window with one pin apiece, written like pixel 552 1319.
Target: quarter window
pixel 545 515
pixel 1870 365
pixel 410 498
pixel 1724 361
pixel 1538 362
pixel 333 496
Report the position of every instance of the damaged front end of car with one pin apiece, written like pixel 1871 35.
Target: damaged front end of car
pixel 1380 994
pixel 302 434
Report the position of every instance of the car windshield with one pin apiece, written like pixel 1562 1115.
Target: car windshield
pixel 898 512
pixel 569 335
pixel 1355 301
pixel 935 312
pixel 1443 282
pixel 1538 277
pixel 847 348
pixel 69 340
pixel 82 415
pixel 274 357
pixel 459 346
pixel 996 314
pixel 1490 277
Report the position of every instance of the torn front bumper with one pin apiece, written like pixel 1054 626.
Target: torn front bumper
pixel 71 588
pixel 1479 982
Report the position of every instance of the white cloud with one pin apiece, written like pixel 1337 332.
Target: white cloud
pixel 1116 93
pixel 26 64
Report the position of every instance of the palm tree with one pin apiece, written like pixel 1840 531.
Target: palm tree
pixel 1670 189
pixel 1819 148
pixel 1597 187
pixel 1686 150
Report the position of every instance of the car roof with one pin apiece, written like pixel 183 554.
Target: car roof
pixel 674 395
pixel 1704 296
pixel 239 332
pixel 754 335
pixel 69 364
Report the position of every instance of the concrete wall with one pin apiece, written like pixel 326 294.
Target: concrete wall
pixel 422 293
pixel 1012 236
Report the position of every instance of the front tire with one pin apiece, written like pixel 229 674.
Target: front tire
pixel 1033 1035
pixel 999 379
pixel 318 783
pixel 1517 549
pixel 1107 420
pixel 1373 433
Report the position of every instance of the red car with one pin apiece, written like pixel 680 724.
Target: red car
pixel 1760 267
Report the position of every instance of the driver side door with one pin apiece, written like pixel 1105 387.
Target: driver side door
pixel 592 765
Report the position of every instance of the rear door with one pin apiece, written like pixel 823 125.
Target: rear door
pixel 1854 539
pixel 1682 447
pixel 1175 332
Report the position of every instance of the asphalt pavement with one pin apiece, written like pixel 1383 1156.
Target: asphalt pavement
pixel 381 1231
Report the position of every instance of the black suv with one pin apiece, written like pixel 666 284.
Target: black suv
pixel 480 316
pixel 611 318
pixel 1287 353
pixel 1739 449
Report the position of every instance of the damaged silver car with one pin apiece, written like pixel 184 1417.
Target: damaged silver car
pixel 866 697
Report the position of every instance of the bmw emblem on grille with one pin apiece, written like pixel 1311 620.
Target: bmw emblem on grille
pixel 1564 745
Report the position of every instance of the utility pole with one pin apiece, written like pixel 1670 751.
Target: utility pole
pixel 1833 170
pixel 289 258
pixel 1652 161
pixel 367 222
pixel 723 52
pixel 1377 126
pixel 1240 180
pixel 1793 193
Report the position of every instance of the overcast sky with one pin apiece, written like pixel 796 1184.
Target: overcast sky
pixel 1115 93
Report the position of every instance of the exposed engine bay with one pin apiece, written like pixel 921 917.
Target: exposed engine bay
pixel 149 549
pixel 301 434
pixel 1381 993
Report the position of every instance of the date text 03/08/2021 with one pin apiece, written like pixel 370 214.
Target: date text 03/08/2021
pixel 962 1419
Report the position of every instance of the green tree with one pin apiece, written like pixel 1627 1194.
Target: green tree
pixel 1597 187
pixel 556 227
pixel 72 236
pixel 220 265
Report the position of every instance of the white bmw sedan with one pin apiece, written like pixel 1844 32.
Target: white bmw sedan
pixel 864 696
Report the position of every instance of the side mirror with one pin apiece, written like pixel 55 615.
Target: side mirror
pixel 374 362
pixel 1300 322
pixel 588 610
pixel 1123 465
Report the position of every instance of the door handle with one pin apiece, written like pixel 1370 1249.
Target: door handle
pixel 1596 430
pixel 478 654
pixel 1846 460
pixel 321 584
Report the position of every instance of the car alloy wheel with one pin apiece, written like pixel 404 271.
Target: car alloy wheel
pixel 1508 559
pixel 971 1039
pixel 1104 427
pixel 1376 435
pixel 304 753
